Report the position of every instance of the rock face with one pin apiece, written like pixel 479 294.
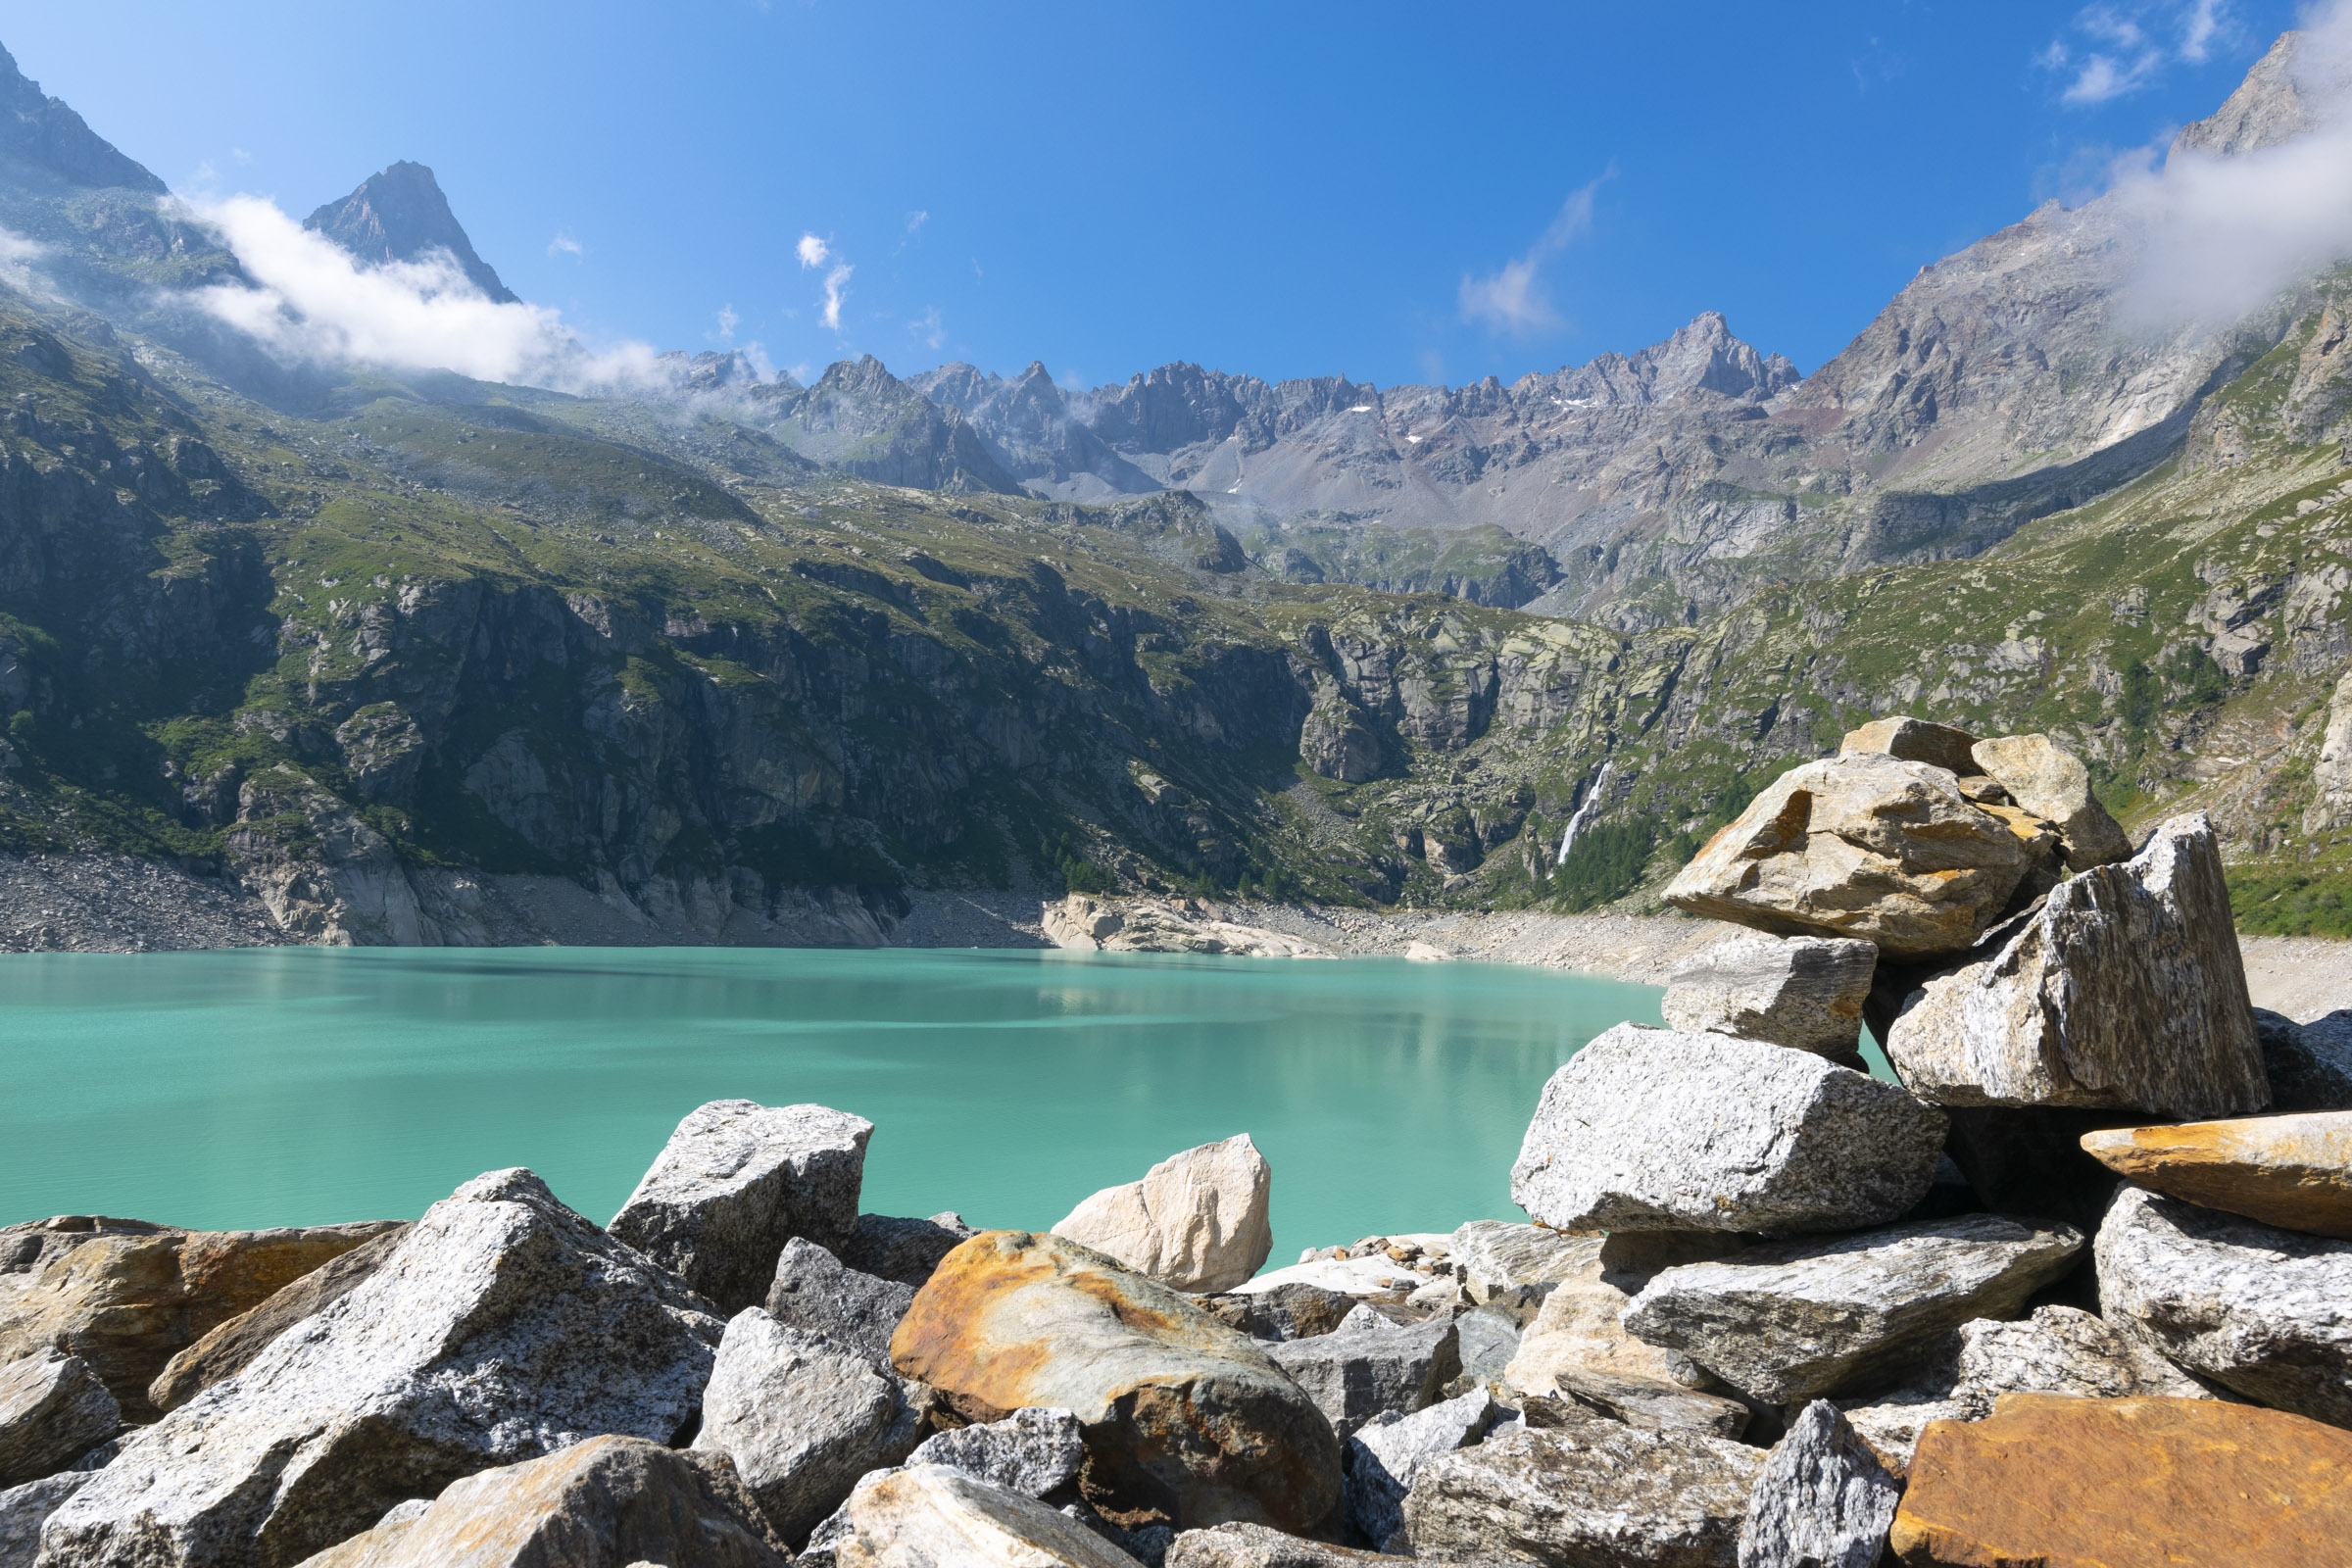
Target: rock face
pixel 1802 992
pixel 53 1410
pixel 227 1350
pixel 903 1249
pixel 1592 1491
pixel 815 1294
pixel 2258 1310
pixel 1654 1129
pixel 1915 740
pixel 1196 1222
pixel 2308 1065
pixel 2125 990
pixel 502 1327
pixel 2294 1172
pixel 738 1180
pixel 1369 1367
pixel 1386 1455
pixel 2331 772
pixel 1824 1501
pixel 602 1503
pixel 801 1418
pixel 2055 786
pixel 931 1516
pixel 127 1297
pixel 1185 1417
pixel 2050 1479
pixel 1799 1320
pixel 1870 847
pixel 1101 925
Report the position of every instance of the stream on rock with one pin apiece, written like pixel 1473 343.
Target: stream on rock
pixel 290 1086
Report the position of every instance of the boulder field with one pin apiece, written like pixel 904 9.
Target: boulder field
pixel 2065 1284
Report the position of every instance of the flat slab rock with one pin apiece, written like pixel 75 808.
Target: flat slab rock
pixel 738 1180
pixel 2257 1309
pixel 1805 993
pixel 2049 1481
pixel 1185 1416
pixel 1592 1491
pixel 932 1516
pixel 1196 1221
pixel 1656 1129
pixel 2294 1172
pixel 1801 1321
pixel 1824 1501
pixel 1513 1267
pixel 2126 989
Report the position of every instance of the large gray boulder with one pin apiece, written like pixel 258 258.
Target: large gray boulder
pixel 1386 1455
pixel 53 1410
pixel 2258 1310
pixel 1656 1129
pixel 2308 1065
pixel 738 1180
pixel 1369 1367
pixel 1196 1221
pixel 1805 993
pixel 609 1500
pixel 934 1516
pixel 1792 1321
pixel 814 1293
pixel 801 1418
pixel 503 1327
pixel 2125 990
pixel 906 1250
pixel 1589 1493
pixel 1822 1502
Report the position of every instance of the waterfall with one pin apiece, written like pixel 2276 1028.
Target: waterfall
pixel 1576 823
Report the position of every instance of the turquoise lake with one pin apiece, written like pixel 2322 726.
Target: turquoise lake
pixel 285 1086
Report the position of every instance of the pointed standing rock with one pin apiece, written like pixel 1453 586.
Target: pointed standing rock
pixel 814 1293
pixel 1196 1222
pixel 1822 1502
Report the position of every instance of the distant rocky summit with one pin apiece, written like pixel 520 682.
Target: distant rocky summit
pixel 398 214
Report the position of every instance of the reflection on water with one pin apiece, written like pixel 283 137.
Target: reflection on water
pixel 300 1084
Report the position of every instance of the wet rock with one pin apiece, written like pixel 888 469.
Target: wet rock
pixel 2050 1479
pixel 1824 1501
pixel 2308 1065
pixel 2257 1309
pixel 1257 1547
pixel 1511 1268
pixel 801 1418
pixel 1386 1453
pixel 1869 847
pixel 1290 1311
pixel 23 1510
pixel 608 1501
pixel 230 1346
pixel 2294 1172
pixel 53 1410
pixel 1186 1418
pixel 1915 740
pixel 933 1516
pixel 1792 1321
pixel 503 1326
pixel 127 1297
pixel 1805 993
pixel 738 1180
pixel 2053 784
pixel 1592 1492
pixel 903 1249
pixel 1196 1222
pixel 1369 1367
pixel 2125 990
pixel 1654 1129
pixel 814 1293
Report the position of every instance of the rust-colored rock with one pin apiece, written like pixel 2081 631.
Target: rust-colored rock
pixel 2053 1482
pixel 1186 1421
pixel 2294 1172
pixel 226 1350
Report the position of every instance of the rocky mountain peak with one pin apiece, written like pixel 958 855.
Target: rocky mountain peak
pixel 42 137
pixel 2266 109
pixel 398 214
pixel 1705 353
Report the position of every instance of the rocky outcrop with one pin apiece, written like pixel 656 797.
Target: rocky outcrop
pixel 2055 1479
pixel 2331 804
pixel 2052 784
pixel 1368 1366
pixel 608 1501
pixel 1185 1418
pixel 1654 1129
pixel 53 1410
pixel 2125 990
pixel 1591 1492
pixel 738 1180
pixel 2308 1065
pixel 230 1346
pixel 2292 1171
pixel 1100 925
pixel 1822 1500
pixel 1196 1222
pixel 813 1293
pixel 1805 993
pixel 1792 1321
pixel 504 1326
pixel 2257 1311
pixel 1871 847
pixel 933 1516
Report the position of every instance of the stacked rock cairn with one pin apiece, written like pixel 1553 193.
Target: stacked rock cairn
pixel 2075 1288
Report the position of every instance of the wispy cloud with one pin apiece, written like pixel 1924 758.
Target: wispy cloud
pixel 1514 299
pixel 2118 49
pixel 565 245
pixel 726 322
pixel 927 328
pixel 916 219
pixel 815 254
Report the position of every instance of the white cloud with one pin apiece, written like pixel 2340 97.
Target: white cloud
pixel 565 245
pixel 727 321
pixel 17 256
pixel 816 253
pixel 927 328
pixel 2129 48
pixel 916 219
pixel 2206 21
pixel 1514 299
pixel 813 251
pixel 2103 76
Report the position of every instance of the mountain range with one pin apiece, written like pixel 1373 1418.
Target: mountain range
pixel 752 659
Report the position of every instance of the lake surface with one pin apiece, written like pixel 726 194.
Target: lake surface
pixel 285 1086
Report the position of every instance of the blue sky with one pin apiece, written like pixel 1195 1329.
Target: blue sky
pixel 1389 192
